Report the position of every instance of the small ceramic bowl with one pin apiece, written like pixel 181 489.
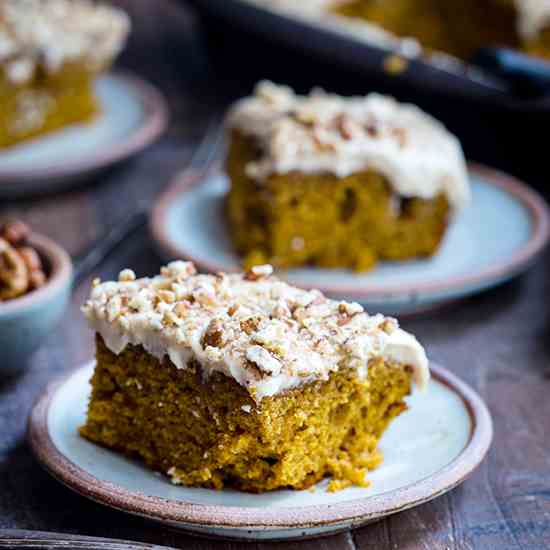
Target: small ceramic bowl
pixel 26 321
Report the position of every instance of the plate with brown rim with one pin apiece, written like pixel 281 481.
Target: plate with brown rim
pixel 134 114
pixel 432 447
pixel 497 237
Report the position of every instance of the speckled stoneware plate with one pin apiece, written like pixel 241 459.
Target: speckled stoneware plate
pixel 134 114
pixel 495 238
pixel 428 450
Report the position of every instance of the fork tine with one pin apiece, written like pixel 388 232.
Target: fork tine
pixel 207 150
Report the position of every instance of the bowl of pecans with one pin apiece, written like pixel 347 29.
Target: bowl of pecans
pixel 35 284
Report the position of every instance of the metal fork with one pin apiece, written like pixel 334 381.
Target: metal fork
pixel 88 261
pixel 16 538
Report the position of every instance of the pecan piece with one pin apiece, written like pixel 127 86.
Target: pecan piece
pixel 31 258
pixel 15 232
pixel 258 272
pixel 213 336
pixel 14 276
pixel 250 325
pixel 37 279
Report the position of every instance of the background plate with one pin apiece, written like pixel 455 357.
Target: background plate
pixel 492 240
pixel 133 115
pixel 428 450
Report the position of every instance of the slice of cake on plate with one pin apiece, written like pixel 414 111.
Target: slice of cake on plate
pixel 339 182
pixel 244 381
pixel 50 53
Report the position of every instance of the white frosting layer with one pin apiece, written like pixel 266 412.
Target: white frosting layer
pixel 47 33
pixel 533 17
pixel 328 133
pixel 265 334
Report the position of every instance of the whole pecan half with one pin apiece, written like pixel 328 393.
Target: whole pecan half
pixel 14 275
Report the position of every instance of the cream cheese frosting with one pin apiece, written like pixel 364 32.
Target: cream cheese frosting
pixel 47 33
pixel 329 133
pixel 264 333
pixel 533 17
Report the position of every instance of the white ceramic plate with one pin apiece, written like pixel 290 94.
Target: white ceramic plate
pixel 133 115
pixel 428 450
pixel 494 239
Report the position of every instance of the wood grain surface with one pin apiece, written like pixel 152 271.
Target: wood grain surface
pixel 498 342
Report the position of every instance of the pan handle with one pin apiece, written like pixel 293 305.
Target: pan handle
pixel 527 76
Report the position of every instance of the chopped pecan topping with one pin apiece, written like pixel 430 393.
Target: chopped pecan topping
pixel 263 360
pixel 344 125
pixel 350 308
pixel 400 136
pixel 250 325
pixel 213 336
pixel 252 330
pixel 321 144
pixel 371 130
pixel 167 296
pixel 232 310
pixel 343 321
pixel 387 325
pixel 181 309
pixel 258 272
pixel 126 276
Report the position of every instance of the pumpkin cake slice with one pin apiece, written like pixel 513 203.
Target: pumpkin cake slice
pixel 339 182
pixel 244 381
pixel 50 53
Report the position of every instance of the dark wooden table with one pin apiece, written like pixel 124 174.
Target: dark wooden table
pixel 498 342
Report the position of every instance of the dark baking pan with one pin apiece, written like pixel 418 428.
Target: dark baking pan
pixel 496 126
